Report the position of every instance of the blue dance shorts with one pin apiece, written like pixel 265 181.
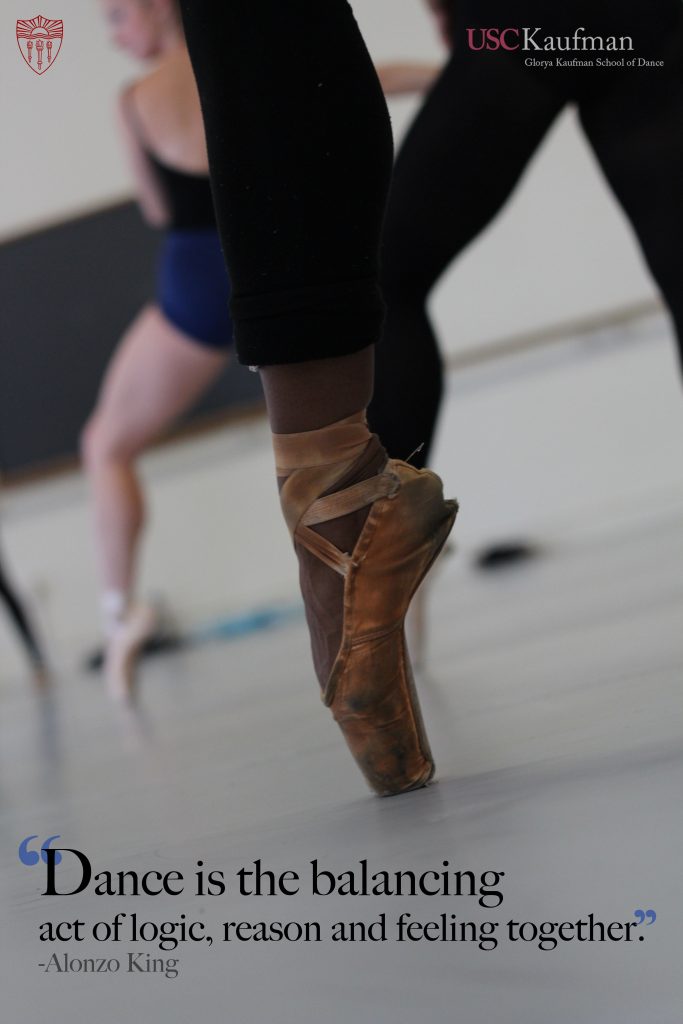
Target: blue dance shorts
pixel 193 290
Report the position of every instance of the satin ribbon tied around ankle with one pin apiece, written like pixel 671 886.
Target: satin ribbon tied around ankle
pixel 312 462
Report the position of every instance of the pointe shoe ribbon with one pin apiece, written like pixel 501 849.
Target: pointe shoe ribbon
pixel 312 462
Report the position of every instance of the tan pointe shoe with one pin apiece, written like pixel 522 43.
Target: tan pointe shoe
pixel 123 648
pixel 370 690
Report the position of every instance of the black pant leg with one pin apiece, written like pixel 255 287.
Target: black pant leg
pixel 19 617
pixel 300 153
pixel 636 130
pixel 461 159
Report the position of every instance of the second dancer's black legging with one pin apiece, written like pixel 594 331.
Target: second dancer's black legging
pixel 468 147
pixel 19 617
pixel 300 152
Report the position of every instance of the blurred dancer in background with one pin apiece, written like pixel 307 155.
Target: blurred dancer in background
pixel 178 345
pixel 472 140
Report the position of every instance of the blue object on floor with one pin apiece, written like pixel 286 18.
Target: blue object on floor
pixel 232 627
pixel 244 623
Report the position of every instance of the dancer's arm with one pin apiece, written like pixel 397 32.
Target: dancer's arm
pixel 150 196
pixel 407 77
pixel 412 76
pixel 443 13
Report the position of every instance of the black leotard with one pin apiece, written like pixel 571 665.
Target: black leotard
pixel 188 195
pixel 193 289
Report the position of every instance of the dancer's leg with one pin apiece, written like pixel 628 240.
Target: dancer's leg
pixel 300 155
pixel 635 129
pixel 20 618
pixel 471 141
pixel 155 375
pixel 300 151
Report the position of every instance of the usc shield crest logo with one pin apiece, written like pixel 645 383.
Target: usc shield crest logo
pixel 40 40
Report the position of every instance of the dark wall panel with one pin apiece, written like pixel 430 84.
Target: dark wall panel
pixel 66 296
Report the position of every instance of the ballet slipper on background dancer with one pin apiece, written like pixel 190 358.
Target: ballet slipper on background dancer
pixel 124 643
pixel 370 688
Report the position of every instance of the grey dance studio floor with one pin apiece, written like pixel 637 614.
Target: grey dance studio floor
pixel 553 700
pixel 553 697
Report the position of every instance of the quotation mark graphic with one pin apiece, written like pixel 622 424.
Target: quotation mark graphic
pixel 641 915
pixel 31 857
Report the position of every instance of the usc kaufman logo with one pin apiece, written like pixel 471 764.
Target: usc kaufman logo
pixel 531 39
pixel 40 40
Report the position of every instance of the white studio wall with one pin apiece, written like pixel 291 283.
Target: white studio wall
pixel 60 154
pixel 61 158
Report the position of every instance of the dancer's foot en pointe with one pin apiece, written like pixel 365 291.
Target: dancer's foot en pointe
pixel 124 643
pixel 366 530
pixel 301 173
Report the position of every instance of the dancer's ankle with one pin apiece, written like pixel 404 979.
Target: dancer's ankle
pixel 317 464
pixel 114 605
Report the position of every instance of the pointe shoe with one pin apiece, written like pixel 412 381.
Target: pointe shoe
pixel 370 690
pixel 122 649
